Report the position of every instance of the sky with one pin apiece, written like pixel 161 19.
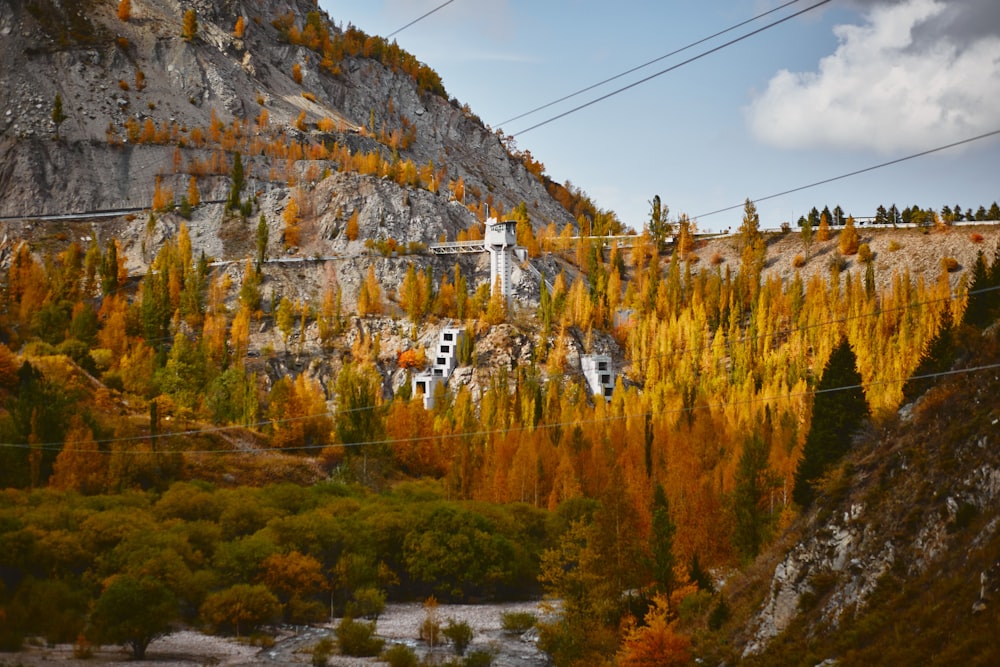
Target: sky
pixel 843 87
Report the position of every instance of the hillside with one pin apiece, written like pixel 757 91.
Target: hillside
pixel 222 274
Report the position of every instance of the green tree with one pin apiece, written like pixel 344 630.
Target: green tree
pixel 839 407
pixel 359 418
pixel 659 225
pixel 662 544
pixel 133 611
pixel 236 189
pixel 981 309
pixel 262 238
pixel 752 521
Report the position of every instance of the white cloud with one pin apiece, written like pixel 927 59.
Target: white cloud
pixel 885 89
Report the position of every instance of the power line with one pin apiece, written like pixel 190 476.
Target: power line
pixel 647 64
pixel 528 427
pixel 672 68
pixel 854 173
pixel 56 446
pixel 419 18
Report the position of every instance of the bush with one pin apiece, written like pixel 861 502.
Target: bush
pixel 949 264
pixel 865 253
pixel 358 639
pixel 460 635
pixel 400 655
pixel 322 651
pixel 894 246
pixel 517 622
pixel 366 602
pixel 478 658
pixel 976 237
pixel 799 261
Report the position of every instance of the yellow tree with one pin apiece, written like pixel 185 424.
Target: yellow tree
pixel 124 9
pixel 240 28
pixel 848 242
pixel 352 227
pixel 292 219
pixel 656 643
pixel 190 27
pixel 193 195
pixel 370 295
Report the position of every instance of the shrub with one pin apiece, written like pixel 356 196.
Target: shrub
pixel 309 96
pixel 517 622
pixel 460 635
pixel 322 651
pixel 717 259
pixel 865 253
pixel 358 639
pixel 478 658
pixel 976 237
pixel 400 655
pixel 894 246
pixel 799 261
pixel 368 602
pixel 949 264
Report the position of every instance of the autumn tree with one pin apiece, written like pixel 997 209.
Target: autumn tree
pixel 839 407
pixel 291 217
pixel 823 232
pixel 656 642
pixel 190 26
pixel 241 608
pixel 124 10
pixel 370 295
pixel 297 73
pixel 848 241
pixel 240 27
pixel 351 230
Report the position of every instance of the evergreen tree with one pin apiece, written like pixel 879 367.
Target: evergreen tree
pixel 940 356
pixel 659 226
pixel 58 115
pixel 753 481
pixel 839 407
pixel 662 544
pixel 262 238
pixel 981 307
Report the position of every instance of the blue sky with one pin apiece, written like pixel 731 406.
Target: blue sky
pixel 846 86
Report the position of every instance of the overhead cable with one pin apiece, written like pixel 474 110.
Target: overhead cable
pixel 853 173
pixel 671 68
pixel 419 18
pixel 647 64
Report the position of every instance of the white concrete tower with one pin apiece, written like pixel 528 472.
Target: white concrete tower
pixel 501 237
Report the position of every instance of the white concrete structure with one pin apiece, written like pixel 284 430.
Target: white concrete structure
pixel 599 374
pixel 501 238
pixel 445 361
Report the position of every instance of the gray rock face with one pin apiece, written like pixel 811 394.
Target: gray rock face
pixel 899 518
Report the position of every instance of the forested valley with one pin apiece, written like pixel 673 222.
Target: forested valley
pixel 208 417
